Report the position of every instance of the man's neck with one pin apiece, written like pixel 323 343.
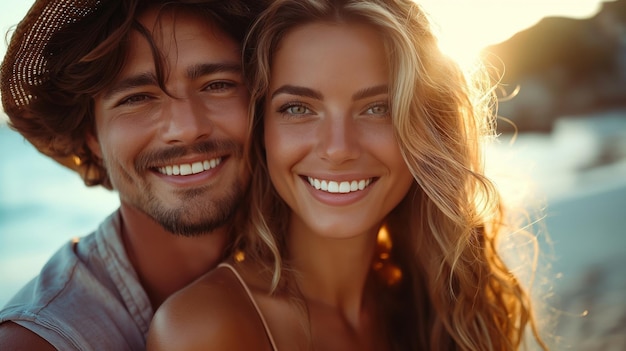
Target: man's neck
pixel 166 262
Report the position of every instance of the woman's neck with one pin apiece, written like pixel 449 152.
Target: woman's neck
pixel 332 272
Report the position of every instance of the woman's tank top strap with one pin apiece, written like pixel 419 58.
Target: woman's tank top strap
pixel 256 306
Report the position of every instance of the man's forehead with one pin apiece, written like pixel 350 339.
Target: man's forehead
pixel 188 42
pixel 164 20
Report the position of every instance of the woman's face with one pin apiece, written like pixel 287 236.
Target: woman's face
pixel 331 150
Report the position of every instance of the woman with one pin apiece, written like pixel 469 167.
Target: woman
pixel 372 226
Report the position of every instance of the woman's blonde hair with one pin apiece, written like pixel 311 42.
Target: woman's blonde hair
pixel 455 291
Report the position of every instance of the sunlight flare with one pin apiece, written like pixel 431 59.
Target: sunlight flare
pixel 466 27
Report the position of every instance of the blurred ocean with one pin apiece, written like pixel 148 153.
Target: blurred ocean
pixel 577 173
pixel 42 206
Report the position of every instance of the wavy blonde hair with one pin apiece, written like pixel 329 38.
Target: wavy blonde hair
pixel 456 291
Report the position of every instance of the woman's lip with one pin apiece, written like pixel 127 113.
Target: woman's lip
pixel 337 198
pixel 340 186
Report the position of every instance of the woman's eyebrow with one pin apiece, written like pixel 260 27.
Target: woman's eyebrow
pixel 369 92
pixel 297 90
pixel 302 91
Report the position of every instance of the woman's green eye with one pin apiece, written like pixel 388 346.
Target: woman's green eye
pixel 297 110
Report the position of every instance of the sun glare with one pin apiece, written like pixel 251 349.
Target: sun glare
pixel 467 26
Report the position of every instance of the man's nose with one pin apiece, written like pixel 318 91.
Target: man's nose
pixel 185 121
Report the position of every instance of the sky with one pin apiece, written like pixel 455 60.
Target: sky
pixel 465 26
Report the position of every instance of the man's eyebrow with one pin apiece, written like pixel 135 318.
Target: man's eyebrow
pixel 300 91
pixel 204 69
pixel 148 78
pixel 369 92
pixel 131 82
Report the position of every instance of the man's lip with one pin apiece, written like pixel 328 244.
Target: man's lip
pixel 189 168
pixel 192 180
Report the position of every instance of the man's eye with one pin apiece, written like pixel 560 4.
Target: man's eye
pixel 134 99
pixel 219 86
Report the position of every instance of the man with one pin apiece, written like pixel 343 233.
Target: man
pixel 146 98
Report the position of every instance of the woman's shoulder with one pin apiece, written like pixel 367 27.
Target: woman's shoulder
pixel 213 312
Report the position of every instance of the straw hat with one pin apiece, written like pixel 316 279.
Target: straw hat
pixel 26 72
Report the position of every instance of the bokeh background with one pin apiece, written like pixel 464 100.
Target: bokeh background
pixel 564 89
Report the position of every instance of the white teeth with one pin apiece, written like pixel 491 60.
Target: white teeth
pixel 197 167
pixel 185 169
pixel 190 168
pixel 332 186
pixel 362 184
pixel 344 187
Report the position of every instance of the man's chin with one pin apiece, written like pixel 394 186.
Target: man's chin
pixel 193 214
pixel 194 222
pixel 186 229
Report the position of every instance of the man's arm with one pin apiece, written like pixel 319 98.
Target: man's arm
pixel 17 338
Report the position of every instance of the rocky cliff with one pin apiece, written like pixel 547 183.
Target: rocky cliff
pixel 562 67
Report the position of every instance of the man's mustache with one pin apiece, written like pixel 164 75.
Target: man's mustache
pixel 214 148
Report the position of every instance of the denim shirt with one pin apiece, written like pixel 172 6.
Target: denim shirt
pixel 87 296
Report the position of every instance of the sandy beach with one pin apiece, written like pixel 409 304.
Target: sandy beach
pixel 589 296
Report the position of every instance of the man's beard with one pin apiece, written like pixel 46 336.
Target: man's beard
pixel 200 211
pixel 200 214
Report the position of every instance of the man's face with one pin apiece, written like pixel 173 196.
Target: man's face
pixel 177 157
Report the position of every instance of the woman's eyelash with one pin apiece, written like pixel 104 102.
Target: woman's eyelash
pixel 294 108
pixel 383 108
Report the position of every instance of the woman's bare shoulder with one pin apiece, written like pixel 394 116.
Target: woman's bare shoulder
pixel 211 313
